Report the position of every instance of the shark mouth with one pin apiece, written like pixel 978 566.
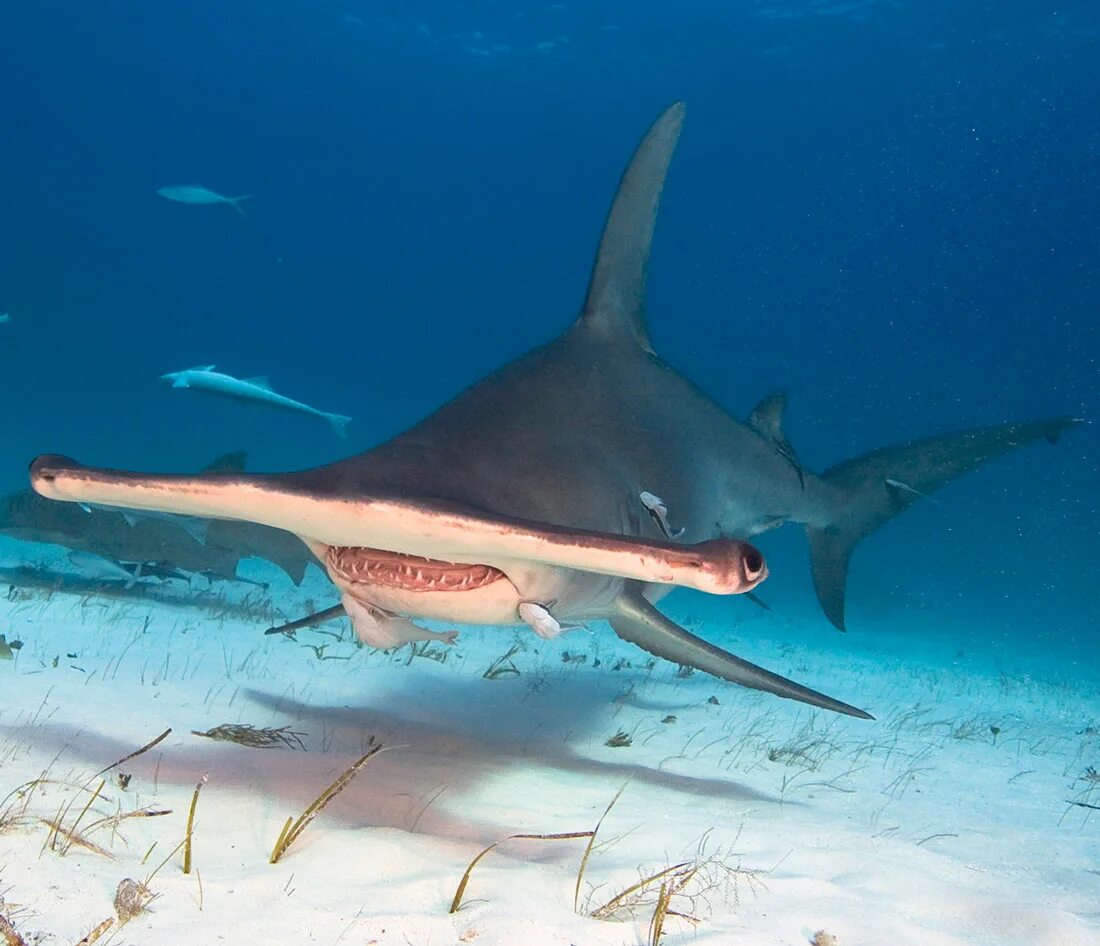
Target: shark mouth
pixel 406 572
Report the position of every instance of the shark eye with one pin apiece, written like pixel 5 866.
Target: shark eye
pixel 753 562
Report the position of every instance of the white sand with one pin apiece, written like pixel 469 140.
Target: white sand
pixel 921 828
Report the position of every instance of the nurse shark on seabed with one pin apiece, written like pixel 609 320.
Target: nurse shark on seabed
pixel 584 480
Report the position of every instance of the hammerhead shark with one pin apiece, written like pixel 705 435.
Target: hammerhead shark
pixel 585 480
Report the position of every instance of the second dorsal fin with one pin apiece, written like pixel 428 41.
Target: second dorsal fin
pixel 615 304
pixel 767 420
pixel 767 417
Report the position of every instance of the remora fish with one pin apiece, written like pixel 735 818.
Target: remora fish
pixel 526 488
pixel 193 194
pixel 253 390
pixel 104 569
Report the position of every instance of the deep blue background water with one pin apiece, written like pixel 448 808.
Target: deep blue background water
pixel 890 209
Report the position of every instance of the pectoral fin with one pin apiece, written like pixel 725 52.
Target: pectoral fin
pixel 638 621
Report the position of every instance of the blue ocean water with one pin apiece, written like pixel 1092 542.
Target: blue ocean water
pixel 891 210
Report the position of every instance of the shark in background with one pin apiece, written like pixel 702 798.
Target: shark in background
pixel 585 480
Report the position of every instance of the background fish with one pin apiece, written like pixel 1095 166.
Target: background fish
pixel 193 194
pixel 253 390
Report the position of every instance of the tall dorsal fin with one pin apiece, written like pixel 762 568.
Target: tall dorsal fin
pixel 615 303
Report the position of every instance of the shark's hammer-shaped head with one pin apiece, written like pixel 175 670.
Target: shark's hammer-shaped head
pixel 418 556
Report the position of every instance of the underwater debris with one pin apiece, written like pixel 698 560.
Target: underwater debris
pixel 669 719
pixel 690 881
pixel 8 648
pixel 592 843
pixel 977 730
pixel 131 899
pixel 254 737
pixel 429 650
pixel 504 666
pixel 134 754
pixel 191 825
pixel 462 884
pixel 822 938
pixel 619 740
pixel 7 931
pixel 632 895
pixel 70 834
pixel 570 658
pixel 95 934
pixel 292 829
pixel 319 652
pixel 684 671
pixel 713 701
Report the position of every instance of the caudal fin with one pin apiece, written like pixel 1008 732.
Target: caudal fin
pixel 339 424
pixel 236 202
pixel 872 489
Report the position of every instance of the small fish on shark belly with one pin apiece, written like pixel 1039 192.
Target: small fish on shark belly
pixel 194 194
pixel 576 483
pixel 250 390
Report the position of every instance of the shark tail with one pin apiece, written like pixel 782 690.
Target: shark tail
pixel 870 490
pixel 236 202
pixel 339 424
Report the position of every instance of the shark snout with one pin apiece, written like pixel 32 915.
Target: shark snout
pixel 721 566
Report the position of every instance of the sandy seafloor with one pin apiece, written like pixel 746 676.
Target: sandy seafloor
pixel 946 821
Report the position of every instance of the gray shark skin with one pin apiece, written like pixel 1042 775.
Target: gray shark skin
pixel 526 488
pixel 105 532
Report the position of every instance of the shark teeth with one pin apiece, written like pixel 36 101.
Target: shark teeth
pixel 407 572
